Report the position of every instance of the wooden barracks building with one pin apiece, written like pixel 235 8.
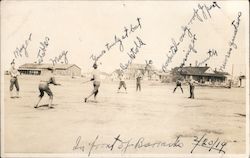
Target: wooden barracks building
pixel 41 69
pixel 200 74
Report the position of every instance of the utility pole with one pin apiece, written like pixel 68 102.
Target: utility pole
pixel 231 82
pixel 232 70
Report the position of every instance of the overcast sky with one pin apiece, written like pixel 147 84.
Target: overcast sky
pixel 84 28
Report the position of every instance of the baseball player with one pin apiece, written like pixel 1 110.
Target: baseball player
pixel 14 80
pixel 96 78
pixel 44 87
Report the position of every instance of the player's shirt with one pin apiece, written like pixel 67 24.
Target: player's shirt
pixel 122 78
pixel 138 77
pixel 13 72
pixel 178 83
pixel 49 80
pixel 96 75
pixel 191 83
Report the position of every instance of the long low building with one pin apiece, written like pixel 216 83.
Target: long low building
pixel 200 74
pixel 42 69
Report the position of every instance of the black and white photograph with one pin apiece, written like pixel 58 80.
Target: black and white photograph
pixel 129 78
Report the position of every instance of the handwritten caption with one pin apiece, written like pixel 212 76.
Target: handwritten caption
pixel 122 145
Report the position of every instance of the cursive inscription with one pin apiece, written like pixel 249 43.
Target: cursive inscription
pixel 62 58
pixel 202 12
pixel 190 49
pixel 77 146
pixel 118 40
pixel 123 145
pixel 174 47
pixel 132 53
pixel 42 50
pixel 205 12
pixel 210 53
pixel 23 49
pixel 232 44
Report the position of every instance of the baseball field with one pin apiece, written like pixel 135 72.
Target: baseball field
pixel 155 114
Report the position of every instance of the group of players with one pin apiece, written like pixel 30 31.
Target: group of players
pixel 50 79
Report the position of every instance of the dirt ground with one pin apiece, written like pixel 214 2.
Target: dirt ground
pixel 155 113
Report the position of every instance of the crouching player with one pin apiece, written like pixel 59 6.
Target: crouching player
pixel 44 87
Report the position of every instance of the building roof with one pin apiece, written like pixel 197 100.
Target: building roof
pixel 46 66
pixel 191 70
pixel 221 73
pixel 198 71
